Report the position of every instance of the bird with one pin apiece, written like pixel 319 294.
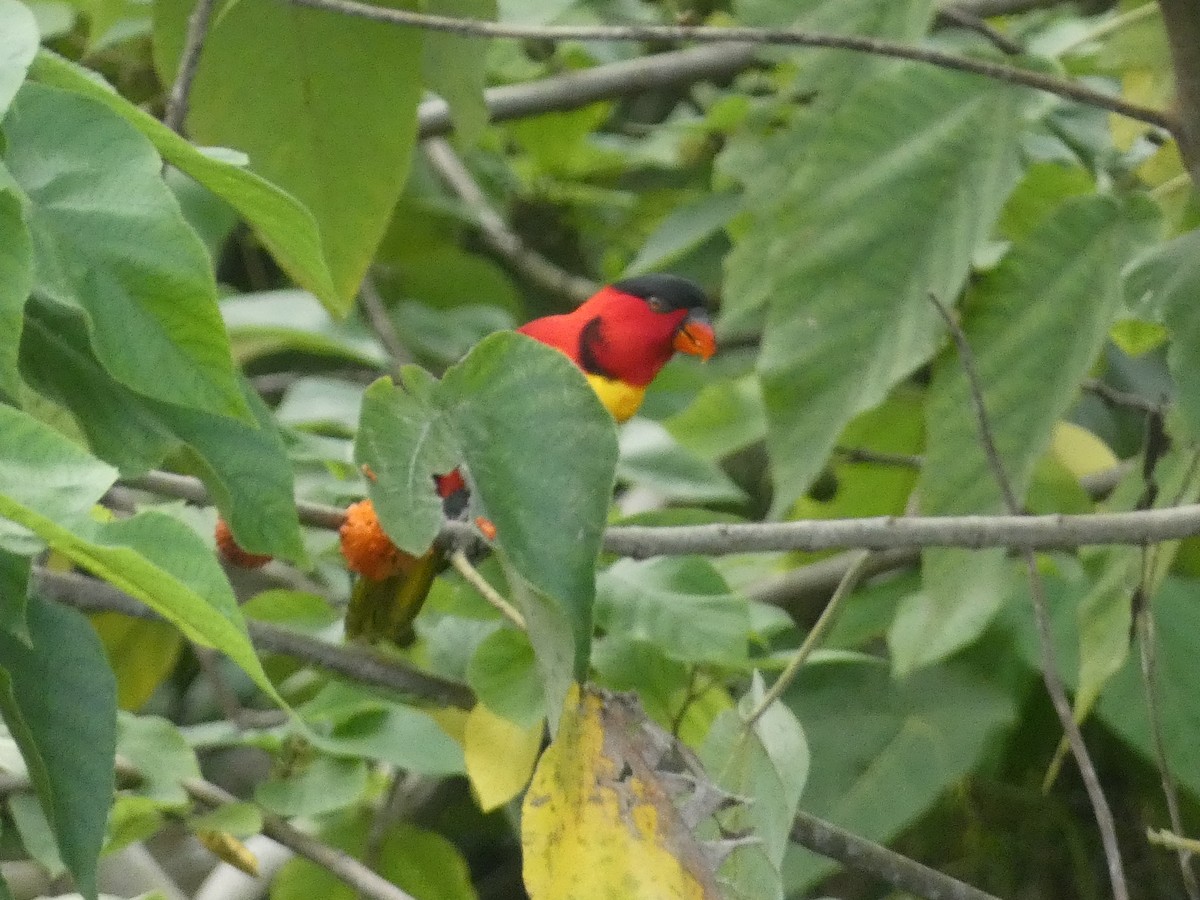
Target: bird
pixel 621 337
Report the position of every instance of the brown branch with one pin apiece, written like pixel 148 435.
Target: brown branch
pixel 1052 532
pixel 381 323
pixel 956 16
pixel 1041 613
pixel 362 879
pixel 672 69
pixel 783 36
pixel 1182 21
pixel 495 231
pixel 356 663
pixel 189 62
pixel 887 865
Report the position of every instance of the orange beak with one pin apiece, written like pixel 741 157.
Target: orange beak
pixel 695 335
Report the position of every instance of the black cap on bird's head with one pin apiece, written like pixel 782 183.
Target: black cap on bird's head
pixel 665 292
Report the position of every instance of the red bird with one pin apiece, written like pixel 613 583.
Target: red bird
pixel 621 338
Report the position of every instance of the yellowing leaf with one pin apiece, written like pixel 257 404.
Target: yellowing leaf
pixel 229 849
pixel 597 821
pixel 142 653
pixel 451 720
pixel 1080 451
pixel 500 756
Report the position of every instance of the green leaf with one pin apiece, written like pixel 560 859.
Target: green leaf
pixel 244 466
pixel 541 451
pixel 274 82
pixel 292 321
pixel 1167 278
pixel 324 785
pixel 682 605
pixel 683 229
pixel 405 440
pixel 16 278
pixel 14 585
pixel 281 221
pixel 19 40
pixel 424 864
pixel 883 750
pixel 503 673
pixel 768 764
pixel 47 485
pixel 162 756
pixel 455 67
pixel 1035 325
pixel 240 820
pixel 59 700
pixel 391 733
pixel 652 458
pixel 109 240
pixel 1122 706
pixel 845 211
pixel 726 416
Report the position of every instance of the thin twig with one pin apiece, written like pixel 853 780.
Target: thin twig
pixel 471 575
pixel 856 852
pixel 1115 397
pixel 955 15
pixel 785 36
pixel 382 324
pixel 798 589
pixel 354 662
pixel 853 574
pixel 343 865
pixel 1052 532
pixel 495 231
pixel 1164 838
pixel 1041 614
pixel 673 69
pixel 189 62
pixel 879 457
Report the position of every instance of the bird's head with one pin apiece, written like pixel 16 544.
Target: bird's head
pixel 634 326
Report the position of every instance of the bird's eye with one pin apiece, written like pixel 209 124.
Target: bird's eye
pixel 658 304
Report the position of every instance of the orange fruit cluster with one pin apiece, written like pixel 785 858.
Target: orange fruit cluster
pixel 368 550
pixel 232 553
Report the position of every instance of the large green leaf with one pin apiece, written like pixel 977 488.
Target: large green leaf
pixel 541 451
pixel 281 222
pixel 325 106
pixel 1122 705
pixel 846 240
pixel 245 466
pixel 681 605
pixel 1035 325
pixel 884 750
pixel 18 45
pixel 14 584
pixel 1166 280
pixel 59 699
pixel 16 279
pixel 48 485
pixel 404 438
pixel 455 67
pixel 109 239
pixel 767 764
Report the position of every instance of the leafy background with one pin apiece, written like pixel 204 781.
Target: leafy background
pixel 223 304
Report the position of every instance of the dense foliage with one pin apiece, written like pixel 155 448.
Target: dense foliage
pixel 222 301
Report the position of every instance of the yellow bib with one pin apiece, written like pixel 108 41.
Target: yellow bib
pixel 619 398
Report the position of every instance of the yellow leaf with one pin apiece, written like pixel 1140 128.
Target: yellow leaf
pixel 229 849
pixel 1080 451
pixel 142 653
pixel 451 720
pixel 500 756
pixel 597 822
